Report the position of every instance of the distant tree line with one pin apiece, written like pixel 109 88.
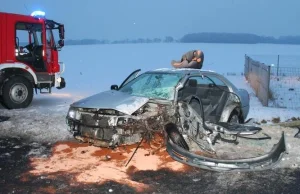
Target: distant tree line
pixel 242 38
pixel 203 37
pixel 85 41
pixel 167 39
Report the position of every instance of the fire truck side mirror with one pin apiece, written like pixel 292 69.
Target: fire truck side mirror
pixel 61 43
pixel 61 30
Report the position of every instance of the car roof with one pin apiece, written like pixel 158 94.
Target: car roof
pixel 183 71
pixel 191 71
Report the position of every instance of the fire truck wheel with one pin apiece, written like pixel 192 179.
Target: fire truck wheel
pixel 17 93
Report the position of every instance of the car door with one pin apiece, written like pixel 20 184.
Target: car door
pixel 218 94
pixel 197 85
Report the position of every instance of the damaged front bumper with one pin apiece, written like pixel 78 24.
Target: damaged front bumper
pixel 263 162
pixel 102 132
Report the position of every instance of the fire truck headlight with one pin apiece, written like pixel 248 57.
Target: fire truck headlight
pixel 59 79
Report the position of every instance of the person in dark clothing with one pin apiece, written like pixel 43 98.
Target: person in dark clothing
pixel 191 59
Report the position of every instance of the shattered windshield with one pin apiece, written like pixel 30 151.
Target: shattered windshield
pixel 153 85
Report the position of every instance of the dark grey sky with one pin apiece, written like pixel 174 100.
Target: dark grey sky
pixel 119 19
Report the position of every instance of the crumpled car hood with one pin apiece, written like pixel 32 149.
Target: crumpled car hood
pixel 112 99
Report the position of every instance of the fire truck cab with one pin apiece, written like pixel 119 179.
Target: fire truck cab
pixel 29 57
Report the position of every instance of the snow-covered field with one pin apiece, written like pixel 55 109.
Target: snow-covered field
pixel 285 91
pixel 93 68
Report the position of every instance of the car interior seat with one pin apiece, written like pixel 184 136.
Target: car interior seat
pixel 191 88
pixel 192 83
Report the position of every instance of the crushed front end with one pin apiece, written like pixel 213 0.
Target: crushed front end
pixel 110 128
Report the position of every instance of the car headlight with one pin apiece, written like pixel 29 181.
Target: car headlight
pixel 72 113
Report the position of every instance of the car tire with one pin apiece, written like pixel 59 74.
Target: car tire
pixel 176 136
pixel 17 93
pixel 234 117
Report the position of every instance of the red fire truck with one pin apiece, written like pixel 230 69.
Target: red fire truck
pixel 29 57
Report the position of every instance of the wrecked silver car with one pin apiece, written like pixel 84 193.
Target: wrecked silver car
pixel 194 109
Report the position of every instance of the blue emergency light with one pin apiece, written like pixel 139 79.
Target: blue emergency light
pixel 38 14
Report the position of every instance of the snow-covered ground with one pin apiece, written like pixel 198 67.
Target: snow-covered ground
pixel 92 69
pixel 260 112
pixel 285 91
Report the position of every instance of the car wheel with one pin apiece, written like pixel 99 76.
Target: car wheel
pixel 17 93
pixel 234 117
pixel 176 136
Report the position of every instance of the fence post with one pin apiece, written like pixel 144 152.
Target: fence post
pixel 248 67
pixel 277 64
pixel 268 84
pixel 245 67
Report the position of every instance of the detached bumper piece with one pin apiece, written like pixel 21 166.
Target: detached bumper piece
pixel 263 162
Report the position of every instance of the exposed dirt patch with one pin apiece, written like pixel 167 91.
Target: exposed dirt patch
pixel 18 155
pixel 92 164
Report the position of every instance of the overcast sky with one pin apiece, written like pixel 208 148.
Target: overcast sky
pixel 119 19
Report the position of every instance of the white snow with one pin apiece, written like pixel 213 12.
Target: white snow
pixel 94 68
pixel 260 112
pixel 285 91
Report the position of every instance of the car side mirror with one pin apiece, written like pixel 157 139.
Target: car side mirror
pixel 114 87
